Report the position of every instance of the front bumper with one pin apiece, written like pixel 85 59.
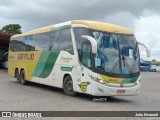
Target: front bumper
pixel 103 90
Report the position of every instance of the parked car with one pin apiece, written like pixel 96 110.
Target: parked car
pixel 155 68
pixel 4 60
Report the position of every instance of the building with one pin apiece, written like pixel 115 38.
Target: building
pixel 4 44
pixel 4 41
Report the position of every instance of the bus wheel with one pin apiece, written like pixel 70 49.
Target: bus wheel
pixel 17 75
pixel 22 78
pixel 68 86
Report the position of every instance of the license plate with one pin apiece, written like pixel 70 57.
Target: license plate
pixel 121 91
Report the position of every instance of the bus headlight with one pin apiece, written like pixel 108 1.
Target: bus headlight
pixel 97 80
pixel 138 82
pixel 101 81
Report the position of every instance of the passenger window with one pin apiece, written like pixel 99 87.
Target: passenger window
pixel 30 42
pixel 65 40
pixel 18 44
pixel 42 43
pixel 54 40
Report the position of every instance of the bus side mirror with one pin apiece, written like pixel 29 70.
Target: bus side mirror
pixel 92 41
pixel 148 50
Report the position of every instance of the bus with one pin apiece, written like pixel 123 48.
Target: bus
pixel 79 56
pixel 145 66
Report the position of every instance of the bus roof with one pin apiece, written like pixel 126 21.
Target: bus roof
pixel 103 26
pixel 90 24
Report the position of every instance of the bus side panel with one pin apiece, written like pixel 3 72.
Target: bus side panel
pixel 84 84
pixel 56 77
pixel 20 65
pixel 15 63
pixel 32 63
pixel 23 60
pixel 11 68
pixel 60 71
pixel 65 65
pixel 11 65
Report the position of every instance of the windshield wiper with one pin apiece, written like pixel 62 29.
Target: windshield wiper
pixel 114 66
pixel 125 63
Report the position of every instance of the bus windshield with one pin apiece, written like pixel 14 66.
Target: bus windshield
pixel 116 53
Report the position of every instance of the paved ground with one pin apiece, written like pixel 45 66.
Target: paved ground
pixel 32 97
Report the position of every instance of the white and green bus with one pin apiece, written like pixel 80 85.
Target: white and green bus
pixel 78 56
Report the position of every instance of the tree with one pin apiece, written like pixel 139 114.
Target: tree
pixel 12 29
pixel 153 60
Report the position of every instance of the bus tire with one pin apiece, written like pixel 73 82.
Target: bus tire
pixel 17 75
pixel 22 78
pixel 68 86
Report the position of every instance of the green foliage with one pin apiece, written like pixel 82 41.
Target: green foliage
pixel 155 62
pixel 12 29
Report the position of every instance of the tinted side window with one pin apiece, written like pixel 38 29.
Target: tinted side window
pixel 18 45
pixel 30 42
pixel 42 42
pixel 65 40
pixel 26 43
pixel 54 40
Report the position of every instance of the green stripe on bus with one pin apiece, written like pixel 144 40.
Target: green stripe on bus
pixel 41 63
pixel 46 63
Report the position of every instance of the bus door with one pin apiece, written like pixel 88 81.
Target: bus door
pixel 84 71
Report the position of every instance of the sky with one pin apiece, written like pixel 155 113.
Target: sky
pixel 141 16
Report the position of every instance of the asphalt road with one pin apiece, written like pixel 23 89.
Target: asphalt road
pixel 36 97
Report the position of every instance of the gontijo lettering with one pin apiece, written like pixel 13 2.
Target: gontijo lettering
pixel 26 56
